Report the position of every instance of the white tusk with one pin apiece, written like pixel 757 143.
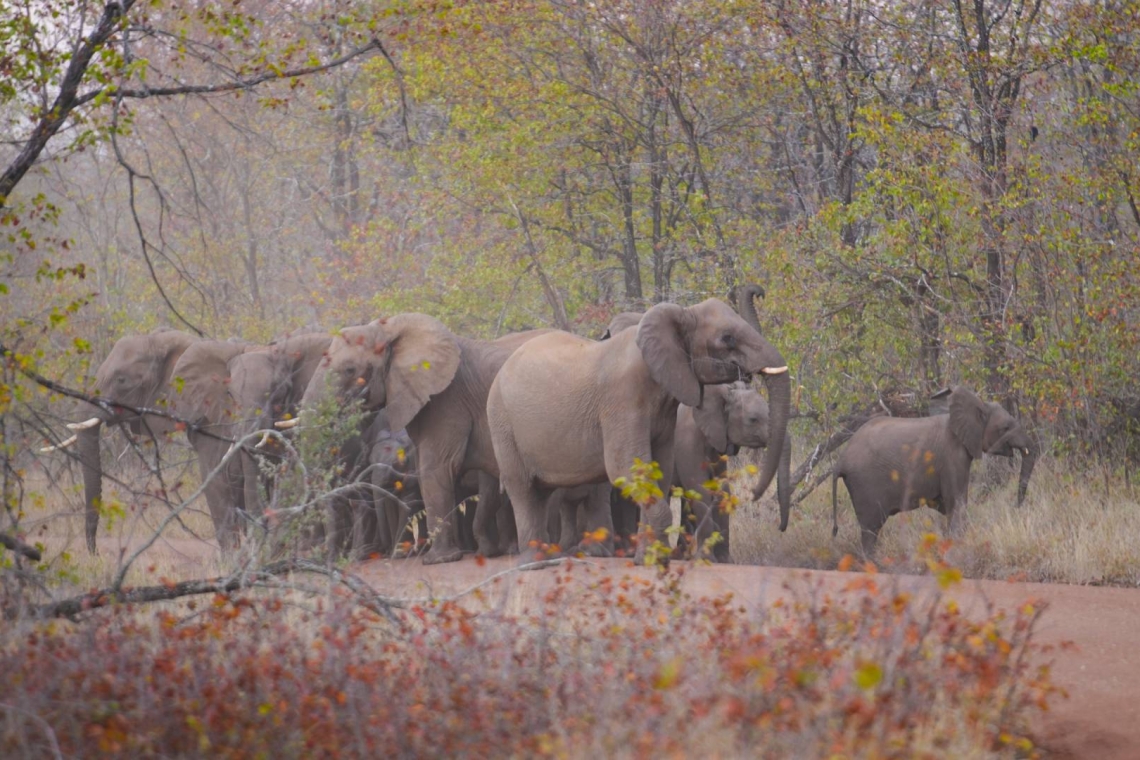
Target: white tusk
pixel 287 424
pixel 1025 452
pixel 87 425
pixel 774 370
pixel 264 440
pixel 60 445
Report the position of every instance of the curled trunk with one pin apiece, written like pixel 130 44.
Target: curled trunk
pixel 746 305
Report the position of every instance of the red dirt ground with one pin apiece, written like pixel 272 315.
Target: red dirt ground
pixel 1100 719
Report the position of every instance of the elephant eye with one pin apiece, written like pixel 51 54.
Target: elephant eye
pixel 729 340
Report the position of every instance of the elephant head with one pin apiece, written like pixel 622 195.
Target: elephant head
pixel 736 416
pixel 267 386
pixel 135 374
pixel 397 364
pixel 987 428
pixel 709 344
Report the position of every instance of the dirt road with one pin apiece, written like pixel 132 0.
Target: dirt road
pixel 1101 718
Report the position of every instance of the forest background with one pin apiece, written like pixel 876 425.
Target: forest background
pixel 930 192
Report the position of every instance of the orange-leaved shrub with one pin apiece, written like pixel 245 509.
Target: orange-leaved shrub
pixel 601 665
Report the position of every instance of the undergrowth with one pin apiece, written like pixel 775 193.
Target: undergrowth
pixel 599 666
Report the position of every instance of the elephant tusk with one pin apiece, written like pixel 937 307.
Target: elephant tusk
pixel 86 425
pixel 287 424
pixel 61 445
pixel 774 370
pixel 1025 452
pixel 264 440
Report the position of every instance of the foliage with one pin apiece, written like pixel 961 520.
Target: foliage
pixel 617 665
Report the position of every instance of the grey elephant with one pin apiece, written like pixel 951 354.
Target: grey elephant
pixel 433 383
pixel 566 411
pixel 135 375
pixel 394 474
pixel 893 464
pixel 267 386
pixel 730 418
pixel 201 397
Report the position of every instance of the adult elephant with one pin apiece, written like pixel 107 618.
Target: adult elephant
pixel 566 411
pixel 894 464
pixel 267 386
pixel 730 418
pixel 135 375
pixel 433 383
pixel 201 398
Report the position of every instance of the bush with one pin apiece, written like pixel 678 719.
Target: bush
pixel 602 666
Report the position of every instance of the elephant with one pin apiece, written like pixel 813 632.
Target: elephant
pixel 135 375
pixel 895 464
pixel 731 417
pixel 201 397
pixel 433 383
pixel 567 411
pixel 395 478
pixel 266 386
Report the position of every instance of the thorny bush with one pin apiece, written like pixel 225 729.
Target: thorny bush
pixel 600 666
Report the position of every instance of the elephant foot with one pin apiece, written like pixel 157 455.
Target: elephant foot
pixel 440 556
pixel 490 550
pixel 592 549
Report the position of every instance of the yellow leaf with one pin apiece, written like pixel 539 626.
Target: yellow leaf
pixel 868 675
pixel 668 675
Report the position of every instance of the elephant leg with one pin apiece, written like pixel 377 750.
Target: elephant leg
pixel 596 511
pixel 222 489
pixel 870 523
pixel 624 514
pixel 505 525
pixel 688 527
pixel 487 515
pixel 366 526
pixel 338 528
pixel 251 484
pixel 561 519
pixel 437 484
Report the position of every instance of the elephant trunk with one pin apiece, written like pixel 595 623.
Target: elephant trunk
pixel 1028 460
pixel 779 387
pixel 746 305
pixel 784 483
pixel 92 480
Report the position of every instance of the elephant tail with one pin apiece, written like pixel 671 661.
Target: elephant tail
pixel 834 502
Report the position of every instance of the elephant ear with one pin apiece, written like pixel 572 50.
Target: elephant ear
pixel 968 417
pixel 423 362
pixel 939 403
pixel 712 417
pixel 663 337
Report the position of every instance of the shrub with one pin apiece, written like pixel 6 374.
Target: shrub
pixel 600 666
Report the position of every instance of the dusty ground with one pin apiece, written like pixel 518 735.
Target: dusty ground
pixel 1101 718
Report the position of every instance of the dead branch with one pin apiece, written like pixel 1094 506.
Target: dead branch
pixel 16 545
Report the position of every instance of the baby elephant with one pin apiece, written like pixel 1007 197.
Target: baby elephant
pixel 730 417
pixel 893 465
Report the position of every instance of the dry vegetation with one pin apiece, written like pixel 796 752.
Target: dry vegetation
pixel 1077 526
pixel 600 666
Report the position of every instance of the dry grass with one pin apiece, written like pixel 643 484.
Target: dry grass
pixel 1075 527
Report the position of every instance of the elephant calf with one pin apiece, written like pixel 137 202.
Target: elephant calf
pixel 729 418
pixel 893 465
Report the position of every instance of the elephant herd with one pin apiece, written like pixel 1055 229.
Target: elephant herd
pixel 540 424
